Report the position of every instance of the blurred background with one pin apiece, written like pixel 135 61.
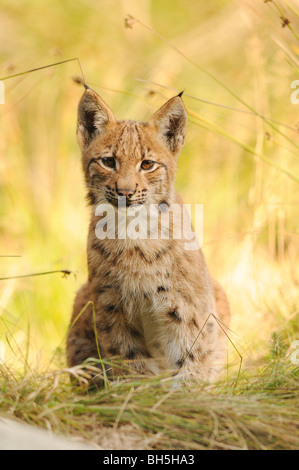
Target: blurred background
pixel 236 61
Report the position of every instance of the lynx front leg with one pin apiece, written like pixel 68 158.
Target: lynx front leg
pixel 120 338
pixel 115 335
pixel 188 348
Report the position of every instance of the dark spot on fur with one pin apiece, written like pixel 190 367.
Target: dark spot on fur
pixel 107 329
pixel 110 308
pixel 194 323
pixel 146 354
pixel 97 246
pixel 100 289
pixel 162 289
pixel 191 356
pixel 134 332
pixel 141 254
pixel 113 351
pixel 162 252
pixel 131 354
pixel 180 362
pixel 174 314
pixel 89 334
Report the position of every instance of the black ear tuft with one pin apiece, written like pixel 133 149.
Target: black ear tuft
pixel 180 94
pixel 80 81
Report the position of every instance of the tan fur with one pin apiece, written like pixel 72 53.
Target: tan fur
pixel 151 297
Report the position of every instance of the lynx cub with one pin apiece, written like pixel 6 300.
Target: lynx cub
pixel 151 297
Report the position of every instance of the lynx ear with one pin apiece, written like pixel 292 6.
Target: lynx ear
pixel 170 122
pixel 93 117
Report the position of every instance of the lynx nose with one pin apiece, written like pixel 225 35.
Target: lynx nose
pixel 127 192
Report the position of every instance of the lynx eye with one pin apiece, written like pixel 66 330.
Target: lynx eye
pixel 108 162
pixel 147 165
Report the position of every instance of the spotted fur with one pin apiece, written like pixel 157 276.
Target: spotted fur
pixel 151 297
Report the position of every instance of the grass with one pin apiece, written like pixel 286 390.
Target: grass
pixel 259 412
pixel 236 63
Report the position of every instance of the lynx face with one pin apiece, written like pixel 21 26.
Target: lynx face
pixel 134 160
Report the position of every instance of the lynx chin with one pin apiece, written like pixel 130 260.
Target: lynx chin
pixel 146 298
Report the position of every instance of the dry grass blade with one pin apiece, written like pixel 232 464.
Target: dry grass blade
pixel 62 271
pixel 123 407
pixel 36 69
pixel 106 381
pixel 223 328
pixel 219 105
pixel 133 20
pixel 216 129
